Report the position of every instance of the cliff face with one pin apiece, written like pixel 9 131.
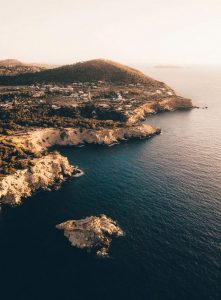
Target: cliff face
pixel 141 113
pixel 52 169
pixel 177 103
pixel 45 172
pixel 153 107
pixel 44 138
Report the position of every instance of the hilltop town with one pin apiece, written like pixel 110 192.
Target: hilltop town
pixel 88 104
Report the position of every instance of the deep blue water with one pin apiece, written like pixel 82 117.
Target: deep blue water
pixel 164 192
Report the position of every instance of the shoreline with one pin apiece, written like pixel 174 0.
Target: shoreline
pixel 51 170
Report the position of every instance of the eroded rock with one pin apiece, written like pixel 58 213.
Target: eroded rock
pixel 92 233
pixel 46 172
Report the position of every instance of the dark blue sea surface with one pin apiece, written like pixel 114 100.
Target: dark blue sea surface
pixel 164 192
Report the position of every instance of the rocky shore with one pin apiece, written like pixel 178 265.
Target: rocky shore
pixel 52 169
pixel 46 172
pixel 39 139
pixel 153 107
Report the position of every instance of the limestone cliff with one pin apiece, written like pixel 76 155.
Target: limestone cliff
pixel 153 107
pixel 140 113
pixel 177 103
pixel 47 137
pixel 52 169
pixel 44 173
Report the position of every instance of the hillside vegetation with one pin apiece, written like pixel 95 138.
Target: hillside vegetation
pixel 14 68
pixel 93 70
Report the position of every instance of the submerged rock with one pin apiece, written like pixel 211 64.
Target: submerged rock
pixel 92 233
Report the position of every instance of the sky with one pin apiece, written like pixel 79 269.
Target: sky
pixel 138 31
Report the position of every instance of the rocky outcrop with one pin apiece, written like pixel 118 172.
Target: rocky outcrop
pixel 175 103
pixel 52 169
pixel 91 233
pixel 44 173
pixel 140 113
pixel 153 107
pixel 47 137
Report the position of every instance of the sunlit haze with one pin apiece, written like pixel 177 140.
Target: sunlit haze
pixel 142 31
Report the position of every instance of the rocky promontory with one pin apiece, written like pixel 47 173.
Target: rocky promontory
pixel 93 233
pixel 45 172
pixel 41 170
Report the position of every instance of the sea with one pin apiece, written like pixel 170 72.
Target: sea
pixel 164 192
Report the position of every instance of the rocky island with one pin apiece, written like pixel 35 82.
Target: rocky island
pixel 97 101
pixel 92 233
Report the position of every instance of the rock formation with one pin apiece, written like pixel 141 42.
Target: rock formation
pixel 46 172
pixel 48 137
pixel 49 170
pixel 91 233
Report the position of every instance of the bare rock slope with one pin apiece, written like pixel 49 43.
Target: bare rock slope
pixel 91 233
pixel 48 137
pixel 44 173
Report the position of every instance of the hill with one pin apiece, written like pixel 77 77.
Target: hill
pixel 10 62
pixel 14 67
pixel 93 70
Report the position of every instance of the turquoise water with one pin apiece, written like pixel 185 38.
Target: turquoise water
pixel 164 193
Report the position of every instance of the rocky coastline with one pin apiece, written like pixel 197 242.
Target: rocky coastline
pixel 39 139
pixel 47 171
pixel 102 104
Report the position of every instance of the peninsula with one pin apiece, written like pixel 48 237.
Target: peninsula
pixel 97 101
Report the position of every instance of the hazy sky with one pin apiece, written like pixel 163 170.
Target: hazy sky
pixel 136 31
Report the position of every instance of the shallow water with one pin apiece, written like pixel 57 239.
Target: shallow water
pixel 164 193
